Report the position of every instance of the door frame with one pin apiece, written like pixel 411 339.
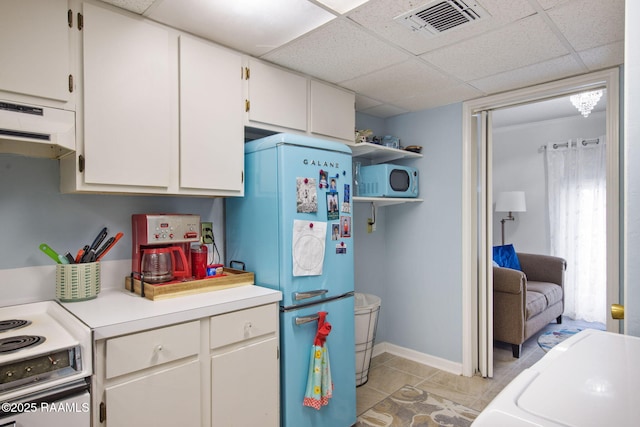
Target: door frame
pixel 608 79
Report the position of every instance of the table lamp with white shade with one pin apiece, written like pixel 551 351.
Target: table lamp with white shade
pixel 510 201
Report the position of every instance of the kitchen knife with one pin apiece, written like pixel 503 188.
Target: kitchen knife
pixel 99 238
pixel 81 253
pixel 50 252
pixel 70 258
pixel 108 245
pixel 104 247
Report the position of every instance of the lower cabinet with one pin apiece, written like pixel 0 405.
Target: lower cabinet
pixel 170 397
pixel 216 371
pixel 245 368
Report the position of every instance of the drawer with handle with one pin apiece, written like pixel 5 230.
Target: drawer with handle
pixel 243 325
pixel 142 350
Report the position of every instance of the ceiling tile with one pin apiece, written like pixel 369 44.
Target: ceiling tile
pixel 342 6
pixel 364 102
pixel 383 111
pixel 548 4
pixel 336 52
pixel 377 15
pixel 590 23
pixel 417 78
pixel 435 98
pixel 552 69
pixel 251 26
pixel 135 6
pixel 603 56
pixel 517 45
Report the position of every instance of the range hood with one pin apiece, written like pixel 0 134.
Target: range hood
pixel 36 131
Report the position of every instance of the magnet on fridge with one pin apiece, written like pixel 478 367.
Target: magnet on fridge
pixel 341 248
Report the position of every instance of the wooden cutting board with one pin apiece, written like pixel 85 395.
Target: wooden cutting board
pixel 230 278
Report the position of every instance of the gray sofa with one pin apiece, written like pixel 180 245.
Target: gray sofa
pixel 526 301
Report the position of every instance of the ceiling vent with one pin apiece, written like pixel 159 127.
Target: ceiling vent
pixel 440 16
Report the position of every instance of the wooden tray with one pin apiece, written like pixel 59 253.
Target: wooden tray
pixel 230 278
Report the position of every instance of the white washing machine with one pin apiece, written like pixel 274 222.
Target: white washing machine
pixel 591 379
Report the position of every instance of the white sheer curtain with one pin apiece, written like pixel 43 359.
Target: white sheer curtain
pixel 576 179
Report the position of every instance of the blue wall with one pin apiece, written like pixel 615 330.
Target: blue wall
pixel 413 259
pixel 33 211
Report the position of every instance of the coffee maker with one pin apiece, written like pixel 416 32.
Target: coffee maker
pixel 176 232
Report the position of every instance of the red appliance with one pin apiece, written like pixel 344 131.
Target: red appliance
pixel 153 231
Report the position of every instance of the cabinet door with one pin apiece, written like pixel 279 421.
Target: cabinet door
pixel 165 398
pixel 245 386
pixel 332 111
pixel 211 130
pixel 127 119
pixel 34 47
pixel 277 97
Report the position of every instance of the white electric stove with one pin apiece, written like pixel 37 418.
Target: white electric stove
pixel 45 365
pixel 590 380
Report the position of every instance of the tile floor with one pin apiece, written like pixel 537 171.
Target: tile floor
pixel 388 373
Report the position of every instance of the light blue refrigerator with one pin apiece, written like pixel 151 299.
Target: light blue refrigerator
pixel 293 229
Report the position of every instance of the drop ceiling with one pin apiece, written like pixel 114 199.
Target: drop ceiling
pixel 358 44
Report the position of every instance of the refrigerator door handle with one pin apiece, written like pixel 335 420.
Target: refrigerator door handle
pixel 297 296
pixel 307 319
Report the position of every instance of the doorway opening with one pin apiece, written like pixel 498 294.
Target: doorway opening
pixel 478 223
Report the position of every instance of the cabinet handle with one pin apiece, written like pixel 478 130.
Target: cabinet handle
pixel 103 412
pixel 247 105
pixel 159 348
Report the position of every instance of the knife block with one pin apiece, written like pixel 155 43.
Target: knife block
pixel 77 282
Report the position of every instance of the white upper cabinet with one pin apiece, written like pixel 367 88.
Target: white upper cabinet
pixel 35 48
pixel 332 111
pixel 211 129
pixel 127 115
pixel 276 97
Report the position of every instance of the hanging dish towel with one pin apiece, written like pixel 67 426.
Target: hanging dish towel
pixel 319 384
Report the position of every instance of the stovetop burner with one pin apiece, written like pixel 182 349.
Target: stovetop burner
pixel 19 342
pixel 11 324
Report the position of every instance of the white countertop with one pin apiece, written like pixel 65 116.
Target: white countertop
pixel 117 311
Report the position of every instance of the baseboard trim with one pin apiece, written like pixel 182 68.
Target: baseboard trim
pixel 416 356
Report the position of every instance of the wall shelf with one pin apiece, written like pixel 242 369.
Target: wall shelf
pixel 385 201
pixel 379 153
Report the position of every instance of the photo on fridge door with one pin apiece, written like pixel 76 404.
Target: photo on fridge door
pixel 346 201
pixel 345 226
pixel 333 212
pixel 307 196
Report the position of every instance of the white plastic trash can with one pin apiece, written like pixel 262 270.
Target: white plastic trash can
pixel 367 307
